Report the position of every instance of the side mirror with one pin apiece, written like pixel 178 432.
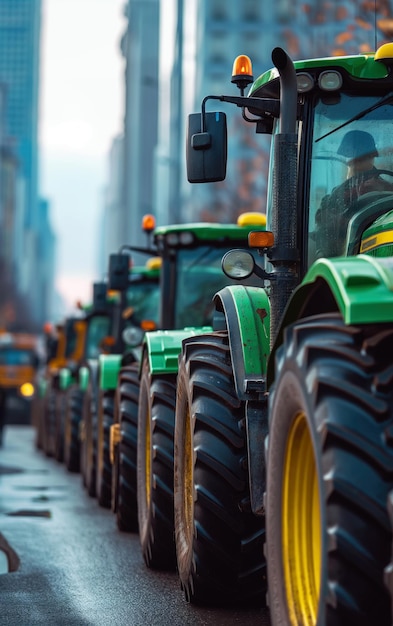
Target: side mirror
pixel 99 294
pixel 118 272
pixel 206 150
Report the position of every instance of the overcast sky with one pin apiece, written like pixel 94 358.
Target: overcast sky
pixel 81 110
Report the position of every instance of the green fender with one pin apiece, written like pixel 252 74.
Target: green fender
pixel 65 378
pixel 83 377
pixel 359 287
pixel 109 365
pixel 164 346
pixel 247 315
pixel 42 387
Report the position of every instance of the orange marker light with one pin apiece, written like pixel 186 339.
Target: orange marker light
pixel 261 239
pixel 148 325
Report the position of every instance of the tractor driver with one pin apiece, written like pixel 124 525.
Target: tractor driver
pixel 336 209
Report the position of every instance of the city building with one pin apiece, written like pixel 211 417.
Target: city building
pixel 20 33
pixel 111 236
pixel 140 50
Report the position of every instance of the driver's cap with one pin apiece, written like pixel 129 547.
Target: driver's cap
pixel 357 144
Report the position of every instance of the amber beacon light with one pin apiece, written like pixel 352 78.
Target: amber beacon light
pixel 242 72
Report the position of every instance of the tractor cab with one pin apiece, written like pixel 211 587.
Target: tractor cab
pixel 191 267
pixel 337 113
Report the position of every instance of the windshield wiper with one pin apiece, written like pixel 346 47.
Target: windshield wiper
pixel 358 116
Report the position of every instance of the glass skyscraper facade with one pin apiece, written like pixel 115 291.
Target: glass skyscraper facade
pixel 26 239
pixel 19 72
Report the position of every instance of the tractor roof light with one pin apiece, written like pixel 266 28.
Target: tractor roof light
pixel 330 80
pixel 238 264
pixel 305 82
pixel 242 72
pixel 154 263
pixel 261 239
pixel 187 238
pixel 182 238
pixel 253 218
pixel 148 223
pixel 172 239
pixel 384 54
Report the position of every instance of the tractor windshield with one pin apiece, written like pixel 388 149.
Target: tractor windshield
pixel 351 167
pixel 143 296
pixel 16 356
pixel 98 328
pixel 199 277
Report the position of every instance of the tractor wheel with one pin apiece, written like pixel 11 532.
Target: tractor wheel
pixel 59 426
pixel 73 419
pixel 389 567
pixel 89 441
pixel 39 423
pixel 104 467
pixel 49 422
pixel 124 500
pixel 156 424
pixel 219 542
pixel 329 472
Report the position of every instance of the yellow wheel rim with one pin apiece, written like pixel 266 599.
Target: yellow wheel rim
pixel 188 479
pixel 148 455
pixel 301 526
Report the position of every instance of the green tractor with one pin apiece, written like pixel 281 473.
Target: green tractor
pixel 142 435
pixel 191 265
pixel 49 400
pixel 138 288
pixel 95 321
pixel 297 389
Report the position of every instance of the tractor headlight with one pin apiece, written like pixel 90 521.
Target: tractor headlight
pixel 27 390
pixel 330 80
pixel 133 336
pixel 238 264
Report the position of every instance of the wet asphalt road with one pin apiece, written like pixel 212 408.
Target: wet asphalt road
pixel 76 568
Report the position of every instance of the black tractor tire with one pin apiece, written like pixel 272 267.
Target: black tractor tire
pixel 156 425
pixel 389 568
pixel 124 486
pixel 39 422
pixel 219 542
pixel 104 468
pixel 59 425
pixel 73 419
pixel 88 443
pixel 329 473
pixel 49 416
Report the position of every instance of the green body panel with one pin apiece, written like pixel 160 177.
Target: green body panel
pixel 377 240
pixel 145 272
pixel 164 346
pixel 247 314
pixel 362 291
pixel 83 378
pixel 359 66
pixel 210 231
pixel 65 378
pixel 362 286
pixel 109 365
pixel 42 387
